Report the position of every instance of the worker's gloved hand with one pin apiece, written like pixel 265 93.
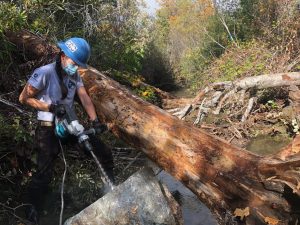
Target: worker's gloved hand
pixel 58 110
pixel 99 128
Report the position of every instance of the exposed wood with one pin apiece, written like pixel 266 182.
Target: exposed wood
pixel 292 149
pixel 230 87
pixel 269 80
pixel 176 103
pixel 223 176
pixel 200 114
pixel 226 96
pixel 249 108
pixel 31 45
pixel 181 114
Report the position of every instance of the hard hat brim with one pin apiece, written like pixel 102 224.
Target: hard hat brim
pixel 68 53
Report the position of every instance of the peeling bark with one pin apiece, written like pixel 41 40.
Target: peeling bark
pixel 221 175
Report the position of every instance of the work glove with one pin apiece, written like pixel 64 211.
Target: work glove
pixel 58 110
pixel 99 128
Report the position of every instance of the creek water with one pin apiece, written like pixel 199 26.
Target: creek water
pixel 194 212
pixel 266 144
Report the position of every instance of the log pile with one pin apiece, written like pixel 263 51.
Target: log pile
pixel 217 95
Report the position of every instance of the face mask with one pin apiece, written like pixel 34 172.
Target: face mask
pixel 70 69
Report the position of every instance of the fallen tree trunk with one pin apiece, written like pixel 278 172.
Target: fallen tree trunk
pixel 33 47
pixel 231 181
pixel 270 80
pixel 226 178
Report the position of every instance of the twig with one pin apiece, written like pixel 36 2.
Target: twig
pixel 13 105
pixel 15 208
pixel 173 110
pixel 227 29
pixel 12 210
pixel 6 155
pixel 216 96
pixel 7 179
pixel 214 40
pixel 119 148
pixel 128 158
pixel 249 108
pixel 239 135
pixel 135 158
pixel 242 96
pixel 206 126
pixel 200 113
pixel 7 93
pixel 230 140
pixel 181 114
pixel 292 64
pixel 218 109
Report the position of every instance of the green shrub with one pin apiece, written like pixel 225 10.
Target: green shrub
pixel 13 134
pixel 11 17
pixel 149 94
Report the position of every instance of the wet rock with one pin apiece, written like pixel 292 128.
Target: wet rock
pixel 139 200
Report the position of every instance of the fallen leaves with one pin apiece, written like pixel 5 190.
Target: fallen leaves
pixel 242 212
pixel 271 221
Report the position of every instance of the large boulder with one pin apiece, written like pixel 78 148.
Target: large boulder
pixel 141 199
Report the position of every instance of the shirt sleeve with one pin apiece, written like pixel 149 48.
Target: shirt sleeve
pixel 38 79
pixel 79 82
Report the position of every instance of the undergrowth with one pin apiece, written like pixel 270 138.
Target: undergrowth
pixel 250 58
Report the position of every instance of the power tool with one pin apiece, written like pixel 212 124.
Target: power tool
pixel 67 124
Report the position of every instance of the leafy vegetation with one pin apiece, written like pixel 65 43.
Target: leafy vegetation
pixel 256 37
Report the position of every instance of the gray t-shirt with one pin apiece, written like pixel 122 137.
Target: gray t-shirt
pixel 46 80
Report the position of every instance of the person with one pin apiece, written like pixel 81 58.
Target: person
pixel 48 87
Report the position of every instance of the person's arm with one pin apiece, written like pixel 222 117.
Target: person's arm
pixel 28 97
pixel 87 103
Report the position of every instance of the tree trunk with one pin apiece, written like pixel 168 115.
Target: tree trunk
pixel 228 179
pixel 33 47
pixel 270 80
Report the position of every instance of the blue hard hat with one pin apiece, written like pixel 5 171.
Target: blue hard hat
pixel 76 49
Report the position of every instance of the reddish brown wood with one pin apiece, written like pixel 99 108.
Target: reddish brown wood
pixel 32 46
pixel 223 176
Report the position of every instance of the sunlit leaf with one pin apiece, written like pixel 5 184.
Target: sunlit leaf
pixel 271 221
pixel 242 212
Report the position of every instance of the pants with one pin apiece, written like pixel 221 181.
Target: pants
pixel 47 145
